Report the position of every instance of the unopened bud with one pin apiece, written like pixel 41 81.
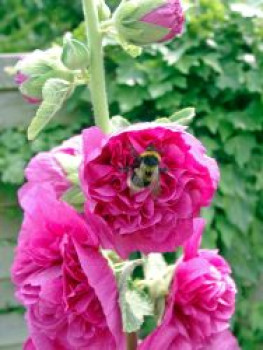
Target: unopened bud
pixel 142 22
pixel 75 54
pixel 103 10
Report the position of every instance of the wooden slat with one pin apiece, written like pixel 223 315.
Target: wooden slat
pixel 14 111
pixel 9 228
pixel 12 347
pixel 7 60
pixel 12 331
pixel 7 295
pixel 6 259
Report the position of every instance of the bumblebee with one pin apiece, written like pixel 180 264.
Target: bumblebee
pixel 145 171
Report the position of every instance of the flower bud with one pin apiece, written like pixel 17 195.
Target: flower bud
pixel 75 54
pixel 103 10
pixel 33 70
pixel 142 22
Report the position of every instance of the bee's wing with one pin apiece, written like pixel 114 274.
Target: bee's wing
pixel 155 185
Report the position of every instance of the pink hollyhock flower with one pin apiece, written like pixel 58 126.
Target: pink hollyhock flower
pixel 168 15
pixel 46 167
pixel 28 345
pixel 221 341
pixel 200 304
pixel 63 280
pixel 143 22
pixel 156 218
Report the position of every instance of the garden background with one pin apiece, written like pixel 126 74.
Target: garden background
pixel 217 66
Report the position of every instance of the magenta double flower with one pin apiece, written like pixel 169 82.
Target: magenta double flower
pixel 200 304
pixel 63 280
pixel 145 221
pixel 61 276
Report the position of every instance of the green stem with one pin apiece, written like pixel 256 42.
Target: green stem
pixel 97 71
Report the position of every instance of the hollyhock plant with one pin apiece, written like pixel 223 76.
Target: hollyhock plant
pixel 149 219
pixel 200 304
pixel 65 283
pixel 58 167
pixel 142 22
pixel 114 190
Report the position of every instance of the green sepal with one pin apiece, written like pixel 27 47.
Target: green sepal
pixel 40 62
pixel 75 54
pixel 158 277
pixel 131 29
pixel 70 164
pixel 118 123
pixel 104 11
pixel 55 92
pixel 131 11
pixel 33 87
pixel 75 197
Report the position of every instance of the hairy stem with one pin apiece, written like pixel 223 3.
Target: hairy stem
pixel 97 71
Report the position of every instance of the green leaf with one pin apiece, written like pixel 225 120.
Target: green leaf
pixel 226 231
pixel 119 123
pixel 159 89
pixel 134 305
pixel 183 117
pixel 232 182
pixel 239 212
pixel 55 92
pixel 213 62
pixel 129 97
pixel 241 148
pixel 130 75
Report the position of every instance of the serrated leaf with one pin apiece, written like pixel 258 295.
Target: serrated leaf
pixel 183 117
pixel 239 212
pixel 241 148
pixel 159 89
pixel 134 305
pixel 55 92
pixel 131 75
pixel 232 182
pixel 129 97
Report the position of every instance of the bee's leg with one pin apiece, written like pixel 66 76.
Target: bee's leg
pixel 163 170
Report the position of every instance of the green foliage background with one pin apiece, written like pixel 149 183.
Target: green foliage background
pixel 217 66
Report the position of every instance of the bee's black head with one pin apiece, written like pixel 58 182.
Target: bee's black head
pixel 150 160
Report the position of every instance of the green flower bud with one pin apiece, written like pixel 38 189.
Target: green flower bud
pixel 142 22
pixel 75 54
pixel 103 10
pixel 33 70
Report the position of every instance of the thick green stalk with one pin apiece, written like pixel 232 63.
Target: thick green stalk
pixel 97 72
